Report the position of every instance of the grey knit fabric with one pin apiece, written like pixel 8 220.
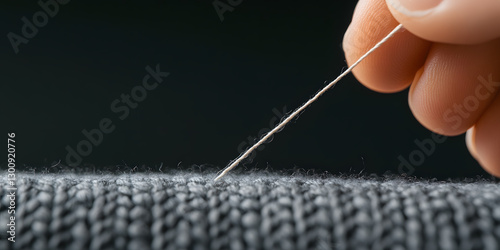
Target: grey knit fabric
pixel 142 211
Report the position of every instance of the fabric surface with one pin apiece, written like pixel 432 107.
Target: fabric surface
pixel 184 210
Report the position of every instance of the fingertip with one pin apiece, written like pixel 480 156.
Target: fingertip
pixel 392 66
pixel 484 139
pixel 451 21
pixel 470 142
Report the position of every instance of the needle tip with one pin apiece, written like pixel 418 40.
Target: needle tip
pixel 218 177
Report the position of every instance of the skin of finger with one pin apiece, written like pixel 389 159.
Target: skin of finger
pixel 391 67
pixel 455 22
pixel 484 141
pixel 470 142
pixel 454 87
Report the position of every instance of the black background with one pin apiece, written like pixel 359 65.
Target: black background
pixel 225 79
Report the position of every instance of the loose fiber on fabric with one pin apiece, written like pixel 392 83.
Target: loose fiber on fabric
pixel 256 211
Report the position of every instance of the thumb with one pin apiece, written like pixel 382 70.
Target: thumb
pixel 449 21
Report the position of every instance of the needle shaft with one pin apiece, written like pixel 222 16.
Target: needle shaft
pixel 282 124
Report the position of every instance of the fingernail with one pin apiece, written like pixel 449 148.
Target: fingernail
pixel 414 7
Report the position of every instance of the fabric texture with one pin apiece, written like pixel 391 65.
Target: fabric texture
pixel 187 210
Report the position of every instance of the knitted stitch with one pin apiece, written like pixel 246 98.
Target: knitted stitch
pixel 250 211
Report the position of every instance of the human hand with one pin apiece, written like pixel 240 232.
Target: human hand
pixel 449 55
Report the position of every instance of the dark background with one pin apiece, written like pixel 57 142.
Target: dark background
pixel 225 79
